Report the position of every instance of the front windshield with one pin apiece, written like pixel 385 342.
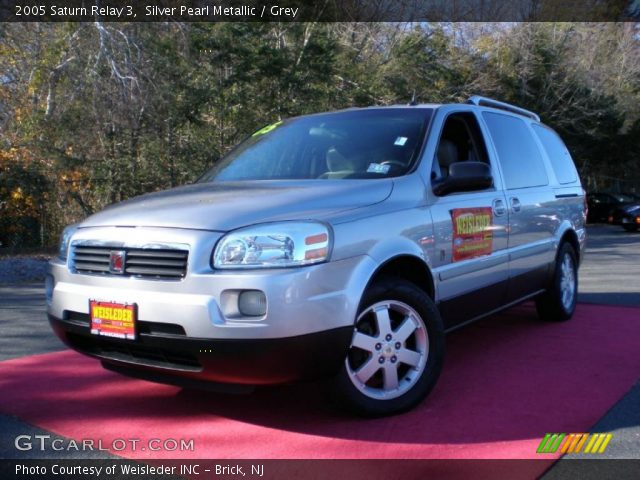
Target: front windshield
pixel 371 143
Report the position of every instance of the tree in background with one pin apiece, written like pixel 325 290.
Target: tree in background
pixel 95 113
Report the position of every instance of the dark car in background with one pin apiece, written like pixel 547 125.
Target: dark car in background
pixel 634 195
pixel 628 216
pixel 602 204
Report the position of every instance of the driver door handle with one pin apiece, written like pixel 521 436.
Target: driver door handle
pixel 498 207
pixel 515 204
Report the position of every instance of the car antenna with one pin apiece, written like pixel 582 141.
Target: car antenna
pixel 413 101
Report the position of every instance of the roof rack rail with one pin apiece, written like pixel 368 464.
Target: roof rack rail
pixel 489 102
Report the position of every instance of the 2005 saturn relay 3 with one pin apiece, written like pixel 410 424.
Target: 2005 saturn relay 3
pixel 340 244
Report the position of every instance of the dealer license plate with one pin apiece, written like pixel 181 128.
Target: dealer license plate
pixel 113 319
pixel 626 220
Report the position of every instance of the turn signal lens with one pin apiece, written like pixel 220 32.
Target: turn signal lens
pixel 316 253
pixel 315 239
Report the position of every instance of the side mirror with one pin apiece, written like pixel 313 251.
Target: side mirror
pixel 464 177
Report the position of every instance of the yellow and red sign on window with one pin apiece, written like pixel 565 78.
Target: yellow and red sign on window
pixel 472 232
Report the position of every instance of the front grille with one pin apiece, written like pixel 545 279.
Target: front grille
pixel 157 263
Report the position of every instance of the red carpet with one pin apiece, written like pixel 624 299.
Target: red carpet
pixel 508 380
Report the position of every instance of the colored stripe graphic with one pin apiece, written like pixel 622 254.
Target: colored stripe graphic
pixel 574 442
pixel 572 439
pixel 543 443
pixel 605 443
pixel 557 443
pixel 581 442
pixel 590 444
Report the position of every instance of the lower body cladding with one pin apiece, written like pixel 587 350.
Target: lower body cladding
pixel 196 362
pixel 192 333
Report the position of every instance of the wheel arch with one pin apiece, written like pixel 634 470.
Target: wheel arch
pixel 571 237
pixel 408 267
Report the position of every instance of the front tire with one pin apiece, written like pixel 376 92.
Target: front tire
pixel 558 303
pixel 397 350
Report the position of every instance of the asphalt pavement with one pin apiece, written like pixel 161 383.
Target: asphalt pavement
pixel 609 274
pixel 23 322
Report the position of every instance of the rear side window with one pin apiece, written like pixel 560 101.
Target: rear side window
pixel 558 154
pixel 518 153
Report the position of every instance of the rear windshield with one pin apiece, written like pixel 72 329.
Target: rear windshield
pixel 358 144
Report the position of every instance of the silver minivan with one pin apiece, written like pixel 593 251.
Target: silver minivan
pixel 341 245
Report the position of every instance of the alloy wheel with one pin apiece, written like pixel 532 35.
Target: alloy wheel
pixel 567 282
pixel 389 350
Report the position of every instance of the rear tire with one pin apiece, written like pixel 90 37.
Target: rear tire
pixel 558 303
pixel 397 350
pixel 630 228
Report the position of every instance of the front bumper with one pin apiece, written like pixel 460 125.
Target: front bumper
pixel 189 327
pixel 187 361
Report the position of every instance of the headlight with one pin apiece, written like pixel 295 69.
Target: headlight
pixel 271 245
pixel 65 238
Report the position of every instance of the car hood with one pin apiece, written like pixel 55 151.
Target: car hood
pixel 228 205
